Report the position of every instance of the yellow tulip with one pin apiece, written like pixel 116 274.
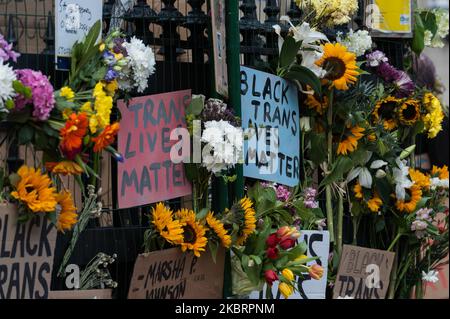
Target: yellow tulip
pixel 288 274
pixel 285 289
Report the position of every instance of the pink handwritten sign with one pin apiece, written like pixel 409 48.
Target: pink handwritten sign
pixel 148 175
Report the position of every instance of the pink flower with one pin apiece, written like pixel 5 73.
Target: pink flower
pixel 270 276
pixel 283 193
pixel 42 98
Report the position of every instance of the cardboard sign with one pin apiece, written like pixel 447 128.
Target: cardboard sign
pixel 81 294
pixel 270 102
pixel 318 245
pixel 26 255
pixel 148 175
pixel 171 274
pixel 74 19
pixel 363 273
pixel 389 18
pixel 218 24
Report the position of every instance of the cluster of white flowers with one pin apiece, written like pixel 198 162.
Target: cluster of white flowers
pixel 224 146
pixel 358 42
pixel 436 182
pixel 442 22
pixel 401 177
pixel 7 77
pixel 140 66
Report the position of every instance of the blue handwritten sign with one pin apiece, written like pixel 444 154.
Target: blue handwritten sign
pixel 270 116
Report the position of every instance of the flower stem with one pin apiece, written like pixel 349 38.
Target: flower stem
pixel 340 223
pixel 394 241
pixel 328 192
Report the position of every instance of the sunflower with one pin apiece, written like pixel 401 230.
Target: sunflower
pixel 375 203
pixel 414 196
pixel 219 229
pixel 168 228
pixel 67 216
pixel 420 179
pixel 441 172
pixel 350 144
pixel 193 232
pixel 35 191
pixel 357 189
pixel 319 106
pixel 64 168
pixel 340 65
pixel 385 111
pixel 409 112
pixel 72 134
pixel 249 224
pixel 106 137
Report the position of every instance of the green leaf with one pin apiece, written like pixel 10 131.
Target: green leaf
pixel 305 76
pixel 14 179
pixel 213 247
pixel 289 52
pixel 318 152
pixel 26 134
pixel 418 42
pixel 195 107
pixel 407 151
pixel 202 214
pixel 342 165
pixel 92 36
pixel 429 21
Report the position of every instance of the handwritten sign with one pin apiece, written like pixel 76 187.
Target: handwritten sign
pixel 171 274
pixel 270 106
pixel 318 245
pixel 218 24
pixel 363 273
pixel 26 255
pixel 148 175
pixel 74 19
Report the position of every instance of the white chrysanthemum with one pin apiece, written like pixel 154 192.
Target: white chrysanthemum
pixel 336 12
pixel 436 182
pixel 140 66
pixel 357 42
pixel 224 144
pixel 7 77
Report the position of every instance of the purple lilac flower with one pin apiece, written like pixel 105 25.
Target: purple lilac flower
pixel 310 198
pixel 111 75
pixel 42 97
pixel 119 48
pixel 283 193
pixel 109 58
pixel 376 58
pixel 6 51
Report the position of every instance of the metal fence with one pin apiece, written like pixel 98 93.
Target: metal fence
pixel 178 32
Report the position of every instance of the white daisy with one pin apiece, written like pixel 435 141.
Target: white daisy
pixel 7 77
pixel 431 276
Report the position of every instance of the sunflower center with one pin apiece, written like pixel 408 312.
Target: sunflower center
pixel 410 112
pixel 29 189
pixel 408 195
pixel 335 68
pixel 387 110
pixel 189 234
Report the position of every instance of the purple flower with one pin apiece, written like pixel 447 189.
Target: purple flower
pixel 376 58
pixel 6 51
pixel 403 85
pixel 42 97
pixel 109 58
pixel 118 46
pixel 310 198
pixel 111 75
pixel 387 72
pixel 283 193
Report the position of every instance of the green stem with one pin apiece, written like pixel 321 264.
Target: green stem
pixel 393 279
pixel 412 156
pixel 355 221
pixel 394 241
pixel 340 223
pixel 96 169
pixel 328 191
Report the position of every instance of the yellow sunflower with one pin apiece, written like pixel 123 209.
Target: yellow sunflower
pixel 64 168
pixel 420 179
pixel 35 190
pixel 375 203
pixel 385 111
pixel 67 216
pixel 193 232
pixel 357 190
pixel 340 65
pixel 409 112
pixel 249 225
pixel 414 196
pixel 441 172
pixel 350 143
pixel 219 229
pixel 171 230
pixel 314 104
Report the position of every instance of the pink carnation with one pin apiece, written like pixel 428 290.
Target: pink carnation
pixel 42 99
